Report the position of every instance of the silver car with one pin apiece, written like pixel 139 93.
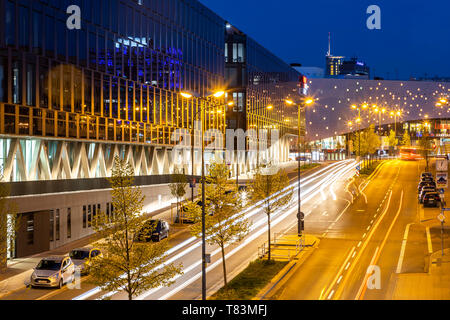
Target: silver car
pixel 82 258
pixel 53 272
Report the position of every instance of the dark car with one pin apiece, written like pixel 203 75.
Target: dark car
pixel 431 199
pixel 424 192
pixel 427 179
pixel 154 230
pixel 426 174
pixel 426 185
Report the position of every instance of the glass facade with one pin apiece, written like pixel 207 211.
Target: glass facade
pixel 117 79
pixel 259 79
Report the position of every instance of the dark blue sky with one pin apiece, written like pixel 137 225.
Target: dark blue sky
pixel 414 39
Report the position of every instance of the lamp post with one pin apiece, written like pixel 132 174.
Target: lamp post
pixel 300 215
pixel 202 110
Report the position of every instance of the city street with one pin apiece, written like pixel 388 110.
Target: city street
pixel 369 234
pixel 319 189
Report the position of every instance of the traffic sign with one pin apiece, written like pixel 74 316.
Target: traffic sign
pixel 441 217
pixel 442 165
pixel 358 168
pixel 441 191
pixel 441 180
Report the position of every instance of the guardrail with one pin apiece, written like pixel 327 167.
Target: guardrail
pixel 282 248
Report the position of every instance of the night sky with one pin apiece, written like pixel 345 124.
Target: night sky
pixel 414 39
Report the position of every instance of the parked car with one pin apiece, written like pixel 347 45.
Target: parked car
pixel 426 174
pixel 426 185
pixel 154 230
pixel 82 258
pixel 426 179
pixel 424 192
pixel 53 272
pixel 431 199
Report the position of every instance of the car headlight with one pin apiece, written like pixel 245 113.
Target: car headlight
pixel 33 275
pixel 55 276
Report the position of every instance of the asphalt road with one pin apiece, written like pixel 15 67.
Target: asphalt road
pixel 370 233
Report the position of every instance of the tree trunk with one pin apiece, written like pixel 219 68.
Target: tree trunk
pixel 224 265
pixel 268 225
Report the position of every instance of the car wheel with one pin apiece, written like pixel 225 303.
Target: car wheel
pixel 61 283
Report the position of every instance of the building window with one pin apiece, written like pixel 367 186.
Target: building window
pixel 107 212
pixel 57 221
pixel 89 216
pixel 84 217
pixel 69 223
pixel 52 225
pixel 30 229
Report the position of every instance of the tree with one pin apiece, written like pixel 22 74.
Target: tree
pixel 178 187
pixel 392 140
pixel 266 185
pixel 425 147
pixel 9 223
pixel 128 264
pixel 370 142
pixel 224 222
pixel 406 139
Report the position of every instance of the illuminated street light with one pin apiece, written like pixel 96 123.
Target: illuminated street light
pixel 189 95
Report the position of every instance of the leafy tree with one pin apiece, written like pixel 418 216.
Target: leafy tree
pixel 9 223
pixel 265 188
pixel 224 222
pixel 392 140
pixel 128 264
pixel 178 187
pixel 370 141
pixel 425 148
pixel 406 139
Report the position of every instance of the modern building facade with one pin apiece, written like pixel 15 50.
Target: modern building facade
pixel 401 105
pixel 73 99
pixel 259 84
pixel 356 68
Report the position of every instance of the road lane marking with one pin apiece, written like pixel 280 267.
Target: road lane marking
pixel 338 274
pixel 366 242
pixel 366 277
pixel 331 295
pixel 403 248
pixel 340 279
pixel 430 244
pixel 374 262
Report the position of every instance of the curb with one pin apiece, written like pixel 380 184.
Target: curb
pixel 282 277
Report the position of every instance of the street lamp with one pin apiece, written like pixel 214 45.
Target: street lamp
pixel 300 215
pixel 188 95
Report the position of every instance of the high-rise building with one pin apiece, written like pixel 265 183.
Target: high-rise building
pixel 355 68
pixel 333 63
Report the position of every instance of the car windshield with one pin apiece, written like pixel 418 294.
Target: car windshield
pixel 49 265
pixel 79 255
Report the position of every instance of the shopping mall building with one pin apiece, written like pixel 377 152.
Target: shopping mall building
pixel 73 99
pixel 410 106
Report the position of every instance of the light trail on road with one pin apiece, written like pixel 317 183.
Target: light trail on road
pixel 325 176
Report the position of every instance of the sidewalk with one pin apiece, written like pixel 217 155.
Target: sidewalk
pixel 426 286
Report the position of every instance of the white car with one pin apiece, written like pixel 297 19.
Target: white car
pixel 53 272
